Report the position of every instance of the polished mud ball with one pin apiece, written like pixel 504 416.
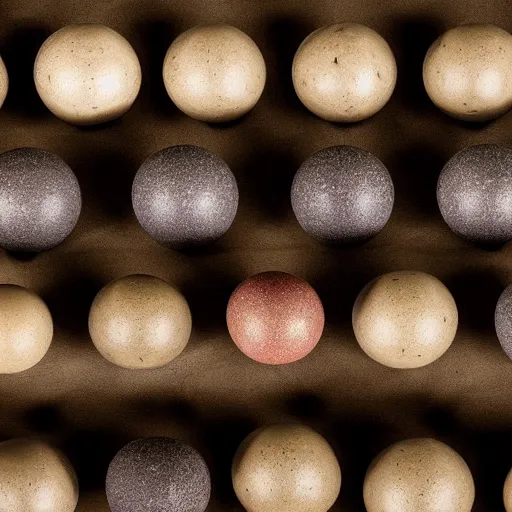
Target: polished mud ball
pixel 4 82
pixel 503 320
pixel 40 200
pixel 342 194
pixel 507 492
pixel 474 191
pixel 185 196
pixel 158 474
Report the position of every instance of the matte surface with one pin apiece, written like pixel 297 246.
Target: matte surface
pixel 503 320
pixel 507 492
pixel 4 82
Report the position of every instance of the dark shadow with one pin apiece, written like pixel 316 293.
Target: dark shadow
pixel 44 419
pixel 305 407
pixel 108 125
pixel 25 257
pixel 177 410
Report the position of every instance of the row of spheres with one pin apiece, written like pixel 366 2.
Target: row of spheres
pixel 89 74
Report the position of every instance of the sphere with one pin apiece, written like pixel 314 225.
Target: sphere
pixel 156 474
pixel 214 73
pixel 344 72
pixel 40 200
pixel 140 322
pixel 503 321
pixel 405 319
pixel 185 196
pixel 286 468
pixel 507 493
pixel 467 72
pixel 4 82
pixel 87 74
pixel 419 475
pixel 34 477
pixel 342 194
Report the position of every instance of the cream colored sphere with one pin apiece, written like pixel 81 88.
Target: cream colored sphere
pixel 344 73
pixel 507 492
pixel 468 72
pixel 4 82
pixel 214 73
pixel 87 74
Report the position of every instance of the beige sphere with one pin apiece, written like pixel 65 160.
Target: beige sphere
pixel 4 82
pixel 26 329
pixel 34 477
pixel 286 468
pixel 468 72
pixel 214 73
pixel 507 492
pixel 87 74
pixel 419 475
pixel 140 322
pixel 344 72
pixel 405 319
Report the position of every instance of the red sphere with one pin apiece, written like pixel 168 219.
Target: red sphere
pixel 275 318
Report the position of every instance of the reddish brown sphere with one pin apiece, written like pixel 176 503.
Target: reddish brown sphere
pixel 275 318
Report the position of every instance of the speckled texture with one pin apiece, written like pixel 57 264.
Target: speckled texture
pixel 342 194
pixel 214 73
pixel 474 191
pixel 140 322
pixel 185 196
pixel 4 82
pixel 35 477
pixel 503 320
pixel 158 474
pixel 419 475
pixel 344 72
pixel 40 200
pixel 507 492
pixel 286 468
pixel 405 319
pixel 468 72
pixel 275 318
pixel 87 74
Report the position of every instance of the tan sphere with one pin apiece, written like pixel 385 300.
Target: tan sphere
pixel 419 475
pixel 468 72
pixel 34 477
pixel 26 329
pixel 286 468
pixel 4 82
pixel 139 322
pixel 405 319
pixel 344 72
pixel 507 492
pixel 87 74
pixel 214 73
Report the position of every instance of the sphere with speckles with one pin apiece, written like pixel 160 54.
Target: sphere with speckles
pixel 503 320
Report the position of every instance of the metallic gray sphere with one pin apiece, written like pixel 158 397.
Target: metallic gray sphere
pixel 503 320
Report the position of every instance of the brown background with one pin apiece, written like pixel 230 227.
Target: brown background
pixel 212 396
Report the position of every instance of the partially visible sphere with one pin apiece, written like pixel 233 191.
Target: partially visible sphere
pixel 185 196
pixel 419 475
pixel 344 72
pixel 214 73
pixel 87 74
pixel 158 474
pixel 35 477
pixel 473 193
pixel 4 82
pixel 507 493
pixel 286 468
pixel 503 320
pixel 342 194
pixel 40 200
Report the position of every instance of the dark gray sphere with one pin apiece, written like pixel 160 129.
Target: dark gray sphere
pixel 474 194
pixel 503 320
pixel 342 195
pixel 185 196
pixel 158 474
pixel 40 200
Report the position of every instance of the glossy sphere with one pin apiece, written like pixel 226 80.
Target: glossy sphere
pixel 275 318
pixel 158 474
pixel 503 320
pixel 87 74
pixel 419 475
pixel 286 468
pixel 139 322
pixel 405 319
pixel 342 194
pixel 4 82
pixel 344 72
pixel 468 72
pixel 35 477
pixel 214 73
pixel 185 196
pixel 507 493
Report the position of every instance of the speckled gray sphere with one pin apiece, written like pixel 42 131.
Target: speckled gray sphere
pixel 474 191
pixel 503 320
pixel 185 196
pixel 342 194
pixel 40 200
pixel 158 474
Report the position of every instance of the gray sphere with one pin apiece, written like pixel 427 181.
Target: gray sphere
pixel 40 200
pixel 158 474
pixel 474 191
pixel 503 320
pixel 342 194
pixel 185 196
